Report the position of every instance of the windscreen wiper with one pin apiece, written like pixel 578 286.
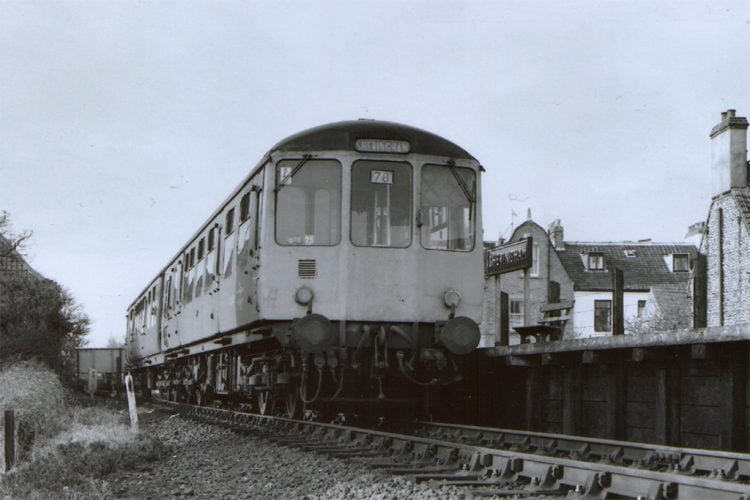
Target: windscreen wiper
pixel 288 176
pixel 469 195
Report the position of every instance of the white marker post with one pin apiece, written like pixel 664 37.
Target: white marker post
pixel 131 403
pixel 92 382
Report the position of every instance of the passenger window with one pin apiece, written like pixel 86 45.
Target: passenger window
pixel 245 207
pixel 308 202
pixel 230 222
pixel 201 246
pixel 211 239
pixel 447 207
pixel 168 299
pixel 381 204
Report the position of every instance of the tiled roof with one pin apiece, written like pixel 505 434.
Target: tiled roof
pixel 12 261
pixel 645 269
pixel 674 305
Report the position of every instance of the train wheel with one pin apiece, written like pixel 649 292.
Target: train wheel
pixel 292 402
pixel 207 396
pixel 264 402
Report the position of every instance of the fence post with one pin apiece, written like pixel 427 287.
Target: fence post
pixel 10 440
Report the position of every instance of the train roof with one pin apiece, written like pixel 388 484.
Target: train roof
pixel 343 135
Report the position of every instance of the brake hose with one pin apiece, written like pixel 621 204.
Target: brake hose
pixel 303 387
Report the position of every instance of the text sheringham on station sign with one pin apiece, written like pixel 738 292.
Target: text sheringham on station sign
pixel 510 257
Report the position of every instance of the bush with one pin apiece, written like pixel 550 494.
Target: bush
pixel 37 397
pixel 39 319
pixel 67 449
pixel 44 416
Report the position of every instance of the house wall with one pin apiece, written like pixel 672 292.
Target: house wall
pixel 728 264
pixel 583 312
pixel 531 290
pixel 490 314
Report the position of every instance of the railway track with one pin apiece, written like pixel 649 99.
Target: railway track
pixel 687 461
pixel 508 463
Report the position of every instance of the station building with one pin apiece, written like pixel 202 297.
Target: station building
pixel 688 387
pixel 568 289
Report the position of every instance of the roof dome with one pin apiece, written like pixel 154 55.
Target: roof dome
pixel 343 135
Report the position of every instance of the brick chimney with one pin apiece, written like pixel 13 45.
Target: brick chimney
pixel 556 235
pixel 729 153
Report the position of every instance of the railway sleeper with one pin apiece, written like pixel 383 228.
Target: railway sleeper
pixel 724 469
pixel 344 445
pixel 417 472
pixel 458 477
pixel 516 492
pixel 364 452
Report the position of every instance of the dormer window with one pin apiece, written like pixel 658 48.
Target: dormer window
pixel 680 263
pixel 596 262
pixel 630 254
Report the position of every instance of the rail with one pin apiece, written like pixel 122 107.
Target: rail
pixel 690 461
pixel 485 468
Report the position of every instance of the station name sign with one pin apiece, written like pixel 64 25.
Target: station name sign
pixel 507 258
pixel 382 146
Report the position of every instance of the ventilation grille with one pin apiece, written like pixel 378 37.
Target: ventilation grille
pixel 307 268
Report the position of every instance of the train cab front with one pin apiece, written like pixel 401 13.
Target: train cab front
pixel 374 254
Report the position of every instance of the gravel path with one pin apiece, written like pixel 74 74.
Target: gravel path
pixel 211 462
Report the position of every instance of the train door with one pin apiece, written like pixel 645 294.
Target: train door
pixel 160 306
pixel 212 274
pixel 248 261
pixel 173 333
pixel 168 301
pixel 227 294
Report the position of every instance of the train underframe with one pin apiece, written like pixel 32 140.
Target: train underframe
pixel 365 371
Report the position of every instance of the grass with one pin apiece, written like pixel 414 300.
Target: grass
pixel 77 469
pixel 69 449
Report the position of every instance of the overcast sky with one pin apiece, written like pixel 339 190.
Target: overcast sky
pixel 124 124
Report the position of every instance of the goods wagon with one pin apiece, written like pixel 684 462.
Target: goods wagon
pixel 108 363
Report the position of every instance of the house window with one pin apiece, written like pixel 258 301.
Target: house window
pixel 245 207
pixel 230 222
pixel 641 308
pixel 534 261
pixel 192 257
pixel 596 262
pixel 516 312
pixel 602 315
pixel 680 263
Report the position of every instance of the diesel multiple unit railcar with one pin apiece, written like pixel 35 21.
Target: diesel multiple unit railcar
pixel 347 267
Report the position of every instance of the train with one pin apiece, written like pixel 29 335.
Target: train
pixel 344 271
